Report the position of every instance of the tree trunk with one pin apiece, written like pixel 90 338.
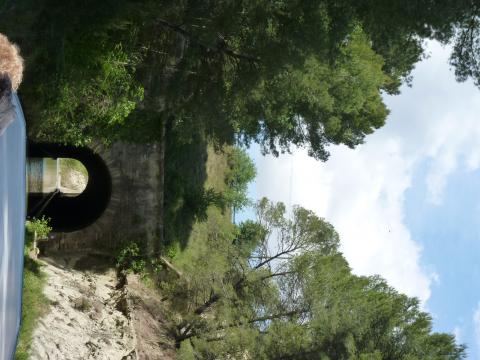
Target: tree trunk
pixel 161 190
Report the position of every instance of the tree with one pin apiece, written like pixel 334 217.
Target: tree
pixel 356 317
pixel 79 80
pixel 37 229
pixel 279 76
pixel 287 73
pixel 281 290
pixel 466 51
pixel 241 172
pixel 92 91
pixel 280 73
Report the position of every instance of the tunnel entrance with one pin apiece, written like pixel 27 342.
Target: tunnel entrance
pixel 70 202
pixel 46 175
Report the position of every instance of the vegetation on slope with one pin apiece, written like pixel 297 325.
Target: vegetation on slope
pixel 34 306
pixel 277 287
pixel 34 303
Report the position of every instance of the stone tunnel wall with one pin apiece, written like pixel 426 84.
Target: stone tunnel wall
pixel 134 211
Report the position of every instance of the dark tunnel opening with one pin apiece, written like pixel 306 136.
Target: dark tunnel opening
pixel 71 213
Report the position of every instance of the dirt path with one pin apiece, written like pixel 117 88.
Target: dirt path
pixel 83 322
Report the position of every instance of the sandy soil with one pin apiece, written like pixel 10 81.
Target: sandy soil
pixel 84 321
pixel 150 327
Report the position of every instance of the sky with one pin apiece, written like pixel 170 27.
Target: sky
pixel 406 204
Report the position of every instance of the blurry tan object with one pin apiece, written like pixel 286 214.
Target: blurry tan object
pixel 11 69
pixel 11 63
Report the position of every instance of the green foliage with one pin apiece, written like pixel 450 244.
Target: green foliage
pixel 172 251
pixel 186 352
pixel 318 102
pixel 41 227
pixel 34 305
pixel 285 237
pixel 283 73
pixel 250 235
pixel 207 250
pixel 278 288
pixel 81 107
pixel 466 51
pixel 130 258
pixel 34 302
pixel 241 172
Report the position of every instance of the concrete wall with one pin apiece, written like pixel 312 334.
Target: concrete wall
pixel 135 208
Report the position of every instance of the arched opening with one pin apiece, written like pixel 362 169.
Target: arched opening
pixel 70 185
pixel 46 175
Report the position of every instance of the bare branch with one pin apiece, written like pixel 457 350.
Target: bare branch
pixel 221 46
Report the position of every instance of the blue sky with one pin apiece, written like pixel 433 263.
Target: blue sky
pixel 406 203
pixel 450 237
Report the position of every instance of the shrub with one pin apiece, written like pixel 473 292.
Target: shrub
pixel 130 259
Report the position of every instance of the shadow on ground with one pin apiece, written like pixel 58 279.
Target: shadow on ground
pixel 93 262
pixel 185 169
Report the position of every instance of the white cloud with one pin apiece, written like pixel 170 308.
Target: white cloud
pixel 476 324
pixel 435 278
pixel 457 332
pixel 361 192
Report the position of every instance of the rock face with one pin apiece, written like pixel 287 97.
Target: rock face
pixel 134 211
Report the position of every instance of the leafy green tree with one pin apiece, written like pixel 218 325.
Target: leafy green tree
pixel 278 73
pixel 281 290
pixel 355 317
pixel 80 68
pixel 37 229
pixel 241 172
pixel 41 227
pixel 274 79
pixel 84 106
pixel 466 50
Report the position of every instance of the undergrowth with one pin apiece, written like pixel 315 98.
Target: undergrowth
pixel 35 305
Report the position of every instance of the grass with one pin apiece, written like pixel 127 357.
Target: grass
pixel 197 225
pixel 35 304
pixel 185 176
pixel 217 219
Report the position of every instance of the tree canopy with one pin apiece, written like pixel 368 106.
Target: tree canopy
pixel 277 73
pixel 241 172
pixel 280 289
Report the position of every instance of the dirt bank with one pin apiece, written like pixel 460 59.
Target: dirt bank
pixel 90 318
